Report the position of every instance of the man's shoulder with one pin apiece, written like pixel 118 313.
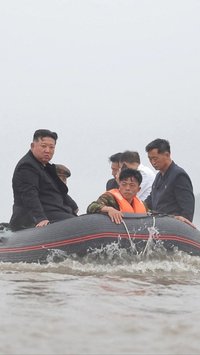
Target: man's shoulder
pixel 27 161
pixel 176 169
pixel 109 198
pixel 26 157
pixel 146 170
pixel 176 174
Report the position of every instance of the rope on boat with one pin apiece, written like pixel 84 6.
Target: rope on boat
pixel 152 235
pixel 152 231
pixel 127 231
pixel 129 237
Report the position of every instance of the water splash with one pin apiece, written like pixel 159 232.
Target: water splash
pixel 153 241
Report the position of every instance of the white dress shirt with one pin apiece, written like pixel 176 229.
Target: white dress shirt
pixel 148 177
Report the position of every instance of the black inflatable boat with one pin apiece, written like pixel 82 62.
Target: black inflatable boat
pixel 87 233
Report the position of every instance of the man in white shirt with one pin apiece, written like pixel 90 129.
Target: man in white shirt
pixel 131 159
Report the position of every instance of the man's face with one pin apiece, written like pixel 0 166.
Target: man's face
pixel 129 188
pixel 158 160
pixel 43 149
pixel 115 169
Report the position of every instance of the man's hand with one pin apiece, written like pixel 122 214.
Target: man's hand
pixel 115 215
pixel 42 223
pixel 185 220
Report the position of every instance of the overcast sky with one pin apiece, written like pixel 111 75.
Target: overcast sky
pixel 106 75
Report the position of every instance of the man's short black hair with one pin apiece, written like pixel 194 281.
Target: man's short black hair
pixel 128 173
pixel 41 133
pixel 115 158
pixel 130 157
pixel 161 144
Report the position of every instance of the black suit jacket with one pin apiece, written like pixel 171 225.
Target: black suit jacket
pixel 172 193
pixel 38 194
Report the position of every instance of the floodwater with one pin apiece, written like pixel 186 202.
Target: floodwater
pixel 97 305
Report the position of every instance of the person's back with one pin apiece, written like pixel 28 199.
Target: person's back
pixel 131 159
pixel 64 173
pixel 38 191
pixel 114 160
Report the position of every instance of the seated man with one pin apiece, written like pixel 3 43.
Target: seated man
pixel 39 194
pixel 172 190
pixel 64 173
pixel 115 202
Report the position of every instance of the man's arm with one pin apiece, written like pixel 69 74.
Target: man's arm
pixel 71 203
pixel 148 203
pixel 106 203
pixel 27 185
pixel 184 196
pixel 105 199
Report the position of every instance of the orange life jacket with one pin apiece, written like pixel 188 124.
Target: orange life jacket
pixel 136 206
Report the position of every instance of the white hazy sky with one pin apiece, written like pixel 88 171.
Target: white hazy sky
pixel 106 75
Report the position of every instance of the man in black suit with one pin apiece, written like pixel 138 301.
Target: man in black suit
pixel 172 190
pixel 39 194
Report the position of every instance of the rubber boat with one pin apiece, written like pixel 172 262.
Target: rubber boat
pixel 86 233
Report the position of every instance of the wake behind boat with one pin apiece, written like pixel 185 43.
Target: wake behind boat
pixel 87 233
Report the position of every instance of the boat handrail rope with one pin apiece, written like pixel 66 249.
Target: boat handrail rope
pixel 126 228
pixel 129 237
pixel 152 232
